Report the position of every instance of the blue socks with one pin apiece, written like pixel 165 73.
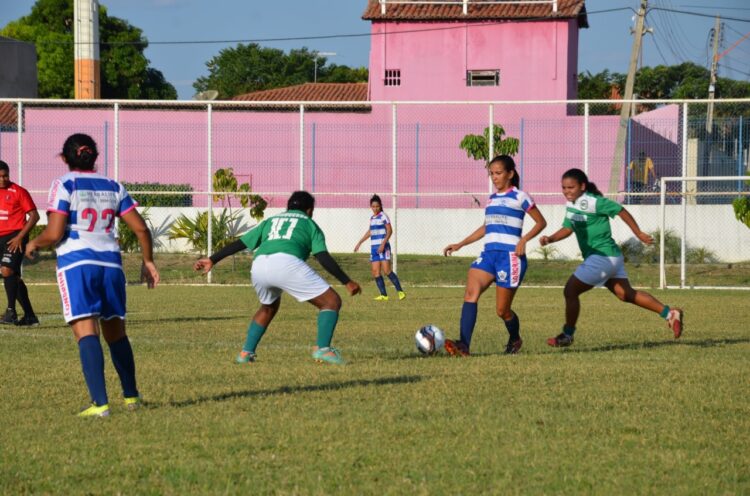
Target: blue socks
pixel 92 362
pixel 254 333
pixel 468 321
pixel 381 285
pixel 394 279
pixel 514 327
pixel 569 330
pixel 122 358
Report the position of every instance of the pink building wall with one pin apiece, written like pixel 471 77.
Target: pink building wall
pixel 538 60
pixel 344 152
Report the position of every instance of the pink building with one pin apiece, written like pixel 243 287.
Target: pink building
pixel 474 50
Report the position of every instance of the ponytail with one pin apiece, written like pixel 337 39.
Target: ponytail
pixel 581 178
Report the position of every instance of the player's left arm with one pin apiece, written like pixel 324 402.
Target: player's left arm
pixel 628 219
pixel 388 233
pixel 53 233
pixel 332 267
pixel 539 224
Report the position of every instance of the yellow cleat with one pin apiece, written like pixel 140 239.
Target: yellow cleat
pixel 401 295
pixel 381 298
pixel 133 404
pixel 95 411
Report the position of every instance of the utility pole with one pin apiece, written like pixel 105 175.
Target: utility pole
pixel 714 69
pixel 625 110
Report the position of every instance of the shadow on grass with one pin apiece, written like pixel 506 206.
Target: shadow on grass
pixel 139 320
pixel 331 386
pixel 700 343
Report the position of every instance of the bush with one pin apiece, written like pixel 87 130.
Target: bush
pixel 226 227
pixel 146 200
pixel 634 251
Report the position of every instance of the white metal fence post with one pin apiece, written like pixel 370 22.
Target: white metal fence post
pixel 662 223
pixel 394 179
pixel 586 138
pixel 19 120
pixel 116 144
pixel 301 147
pixel 683 190
pixel 490 145
pixel 209 138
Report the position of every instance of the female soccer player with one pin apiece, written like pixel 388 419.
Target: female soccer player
pixel 281 244
pixel 80 215
pixel 587 215
pixel 379 232
pixel 503 259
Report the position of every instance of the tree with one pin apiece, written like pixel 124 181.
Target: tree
pixel 683 81
pixel 125 71
pixel 246 68
pixel 477 146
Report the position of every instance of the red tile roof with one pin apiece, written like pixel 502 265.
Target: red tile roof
pixel 417 10
pixel 310 92
pixel 8 116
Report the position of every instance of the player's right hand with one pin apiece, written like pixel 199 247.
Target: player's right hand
pixel 31 250
pixel 203 265
pixel 353 288
pixel 448 250
pixel 150 274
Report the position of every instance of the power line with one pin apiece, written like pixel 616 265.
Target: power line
pixel 320 37
pixel 698 14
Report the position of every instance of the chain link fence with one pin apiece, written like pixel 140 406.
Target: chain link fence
pixel 169 155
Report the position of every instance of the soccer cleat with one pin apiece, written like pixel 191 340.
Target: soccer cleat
pixel 456 348
pixel 381 298
pixel 561 340
pixel 245 357
pixel 401 295
pixel 513 347
pixel 10 317
pixel 328 354
pixel 134 403
pixel 28 321
pixel 675 321
pixel 95 411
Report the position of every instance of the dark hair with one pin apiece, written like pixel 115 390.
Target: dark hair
pixel 80 152
pixel 376 198
pixel 581 178
pixel 4 166
pixel 300 200
pixel 509 165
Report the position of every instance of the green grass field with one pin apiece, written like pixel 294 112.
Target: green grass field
pixel 627 409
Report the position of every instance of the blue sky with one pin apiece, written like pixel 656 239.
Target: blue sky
pixel 605 45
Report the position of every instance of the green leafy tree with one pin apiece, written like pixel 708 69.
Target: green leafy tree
pixel 477 145
pixel 125 71
pixel 741 207
pixel 246 68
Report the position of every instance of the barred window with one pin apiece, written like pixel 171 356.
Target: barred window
pixel 483 78
pixel 393 77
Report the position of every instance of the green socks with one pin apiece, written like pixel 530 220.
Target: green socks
pixel 664 313
pixel 327 320
pixel 254 333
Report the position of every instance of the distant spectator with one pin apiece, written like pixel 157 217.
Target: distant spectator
pixel 642 175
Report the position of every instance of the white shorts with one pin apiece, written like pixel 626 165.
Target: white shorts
pixel 279 272
pixel 598 269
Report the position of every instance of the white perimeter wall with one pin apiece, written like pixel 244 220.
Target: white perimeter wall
pixel 428 231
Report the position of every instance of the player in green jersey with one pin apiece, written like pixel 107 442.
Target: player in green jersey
pixel 281 244
pixel 587 215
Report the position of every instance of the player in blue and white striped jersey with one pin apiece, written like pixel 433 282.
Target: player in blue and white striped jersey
pixel 503 259
pixel 379 233
pixel 81 212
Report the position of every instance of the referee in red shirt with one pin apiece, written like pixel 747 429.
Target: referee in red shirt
pixel 18 215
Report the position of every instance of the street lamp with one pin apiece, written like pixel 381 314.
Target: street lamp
pixel 318 55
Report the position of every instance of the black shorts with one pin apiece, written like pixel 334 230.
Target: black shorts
pixel 15 259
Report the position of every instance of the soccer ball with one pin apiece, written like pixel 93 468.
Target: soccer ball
pixel 429 339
